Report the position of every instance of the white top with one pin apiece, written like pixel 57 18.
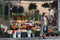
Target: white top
pixel 45 21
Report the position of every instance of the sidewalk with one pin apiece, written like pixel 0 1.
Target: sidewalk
pixel 33 38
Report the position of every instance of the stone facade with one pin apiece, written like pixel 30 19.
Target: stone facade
pixel 25 4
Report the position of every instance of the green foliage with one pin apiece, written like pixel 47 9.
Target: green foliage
pixel 45 5
pixel 32 6
pixel 14 9
pixel 37 11
pixel 0 5
pixel 6 9
pixel 0 9
pixel 21 9
pixel 36 15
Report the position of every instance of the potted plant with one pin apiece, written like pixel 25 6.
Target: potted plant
pixel 21 12
pixel 36 15
pixel 32 7
pixel 14 11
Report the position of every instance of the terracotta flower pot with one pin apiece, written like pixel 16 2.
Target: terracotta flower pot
pixel 50 30
pixel 13 27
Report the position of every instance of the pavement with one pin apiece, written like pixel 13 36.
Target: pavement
pixel 33 38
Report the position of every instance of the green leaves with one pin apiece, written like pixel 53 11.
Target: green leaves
pixel 45 5
pixel 0 5
pixel 6 9
pixel 32 6
pixel 36 15
pixel 14 9
pixel 21 9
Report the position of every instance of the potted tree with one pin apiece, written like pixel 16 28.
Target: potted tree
pixel 6 10
pixel 36 15
pixel 32 7
pixel 21 12
pixel 14 11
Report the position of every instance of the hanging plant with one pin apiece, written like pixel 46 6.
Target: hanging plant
pixel 46 5
pixel 21 9
pixel 14 9
pixel 32 6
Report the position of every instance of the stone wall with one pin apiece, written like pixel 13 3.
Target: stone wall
pixel 25 4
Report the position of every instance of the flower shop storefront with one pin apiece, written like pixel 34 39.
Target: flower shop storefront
pixel 25 21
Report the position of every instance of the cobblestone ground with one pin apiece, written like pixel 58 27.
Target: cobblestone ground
pixel 47 38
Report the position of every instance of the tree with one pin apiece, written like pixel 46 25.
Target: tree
pixel 15 11
pixel 21 12
pixel 32 6
pixel 36 15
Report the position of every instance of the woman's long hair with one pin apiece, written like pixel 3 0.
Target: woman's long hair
pixel 43 14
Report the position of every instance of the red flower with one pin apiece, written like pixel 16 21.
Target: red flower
pixel 23 16
pixel 24 27
pixel 3 29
